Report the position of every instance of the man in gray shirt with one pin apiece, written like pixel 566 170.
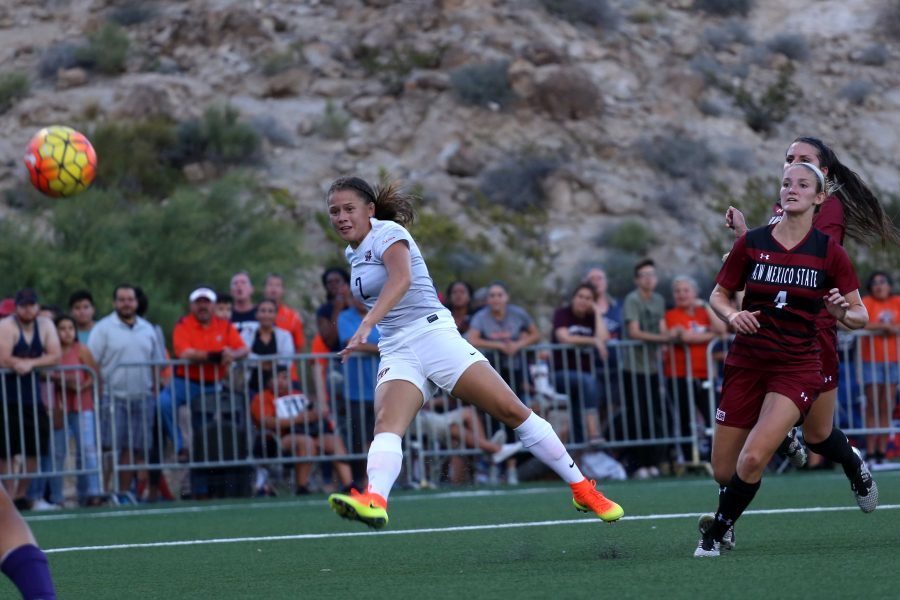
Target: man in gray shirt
pixel 128 405
pixel 644 315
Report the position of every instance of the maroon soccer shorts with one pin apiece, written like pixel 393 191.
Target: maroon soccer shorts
pixel 827 340
pixel 744 390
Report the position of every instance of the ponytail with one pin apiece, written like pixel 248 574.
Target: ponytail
pixel 391 202
pixel 864 216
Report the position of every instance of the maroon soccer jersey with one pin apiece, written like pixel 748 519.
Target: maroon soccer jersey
pixel 786 287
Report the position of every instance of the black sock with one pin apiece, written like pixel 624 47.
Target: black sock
pixel 734 499
pixel 836 448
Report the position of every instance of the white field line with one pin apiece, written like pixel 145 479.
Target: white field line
pixel 319 536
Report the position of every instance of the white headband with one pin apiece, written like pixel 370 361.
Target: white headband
pixel 816 171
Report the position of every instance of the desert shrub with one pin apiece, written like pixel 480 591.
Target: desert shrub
pixel 334 122
pixel 630 236
pixel 130 12
pixel 13 86
pixel 889 18
pixel 137 158
pixel 483 84
pixel 733 31
pixel 569 94
pixel 856 91
pixel 106 50
pixel 875 55
pixel 218 137
pixel 272 129
pixel 791 45
pixel 516 185
pixel 596 13
pixel 679 156
pixel 392 66
pixel 710 107
pixel 62 55
pixel 724 8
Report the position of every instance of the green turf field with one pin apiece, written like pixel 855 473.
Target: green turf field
pixel 802 538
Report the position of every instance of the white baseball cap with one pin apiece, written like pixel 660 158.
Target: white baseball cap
pixel 203 292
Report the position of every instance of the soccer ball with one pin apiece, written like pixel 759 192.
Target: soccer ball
pixel 60 161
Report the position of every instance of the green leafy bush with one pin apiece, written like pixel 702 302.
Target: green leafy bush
pixel 98 239
pixel 13 86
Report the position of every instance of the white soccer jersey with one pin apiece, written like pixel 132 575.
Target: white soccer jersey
pixel 368 276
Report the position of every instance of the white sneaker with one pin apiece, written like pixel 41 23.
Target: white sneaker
pixel 505 452
pixel 864 487
pixel 512 476
pixel 41 504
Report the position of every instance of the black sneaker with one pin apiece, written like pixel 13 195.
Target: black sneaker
pixel 793 449
pixel 707 546
pixel 864 487
pixel 22 504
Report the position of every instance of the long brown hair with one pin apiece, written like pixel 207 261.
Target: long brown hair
pixel 391 202
pixel 864 216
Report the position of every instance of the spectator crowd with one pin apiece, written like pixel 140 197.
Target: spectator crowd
pixel 76 389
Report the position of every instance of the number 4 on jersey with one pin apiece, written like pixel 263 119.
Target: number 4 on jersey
pixel 781 299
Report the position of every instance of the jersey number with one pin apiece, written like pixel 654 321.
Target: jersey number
pixel 359 285
pixel 781 299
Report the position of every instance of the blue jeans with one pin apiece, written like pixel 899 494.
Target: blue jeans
pixel 180 393
pixel 582 389
pixel 80 427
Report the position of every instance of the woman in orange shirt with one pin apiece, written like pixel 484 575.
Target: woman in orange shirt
pixel 694 328
pixel 880 371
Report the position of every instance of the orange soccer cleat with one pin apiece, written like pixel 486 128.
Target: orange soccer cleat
pixel 586 499
pixel 369 507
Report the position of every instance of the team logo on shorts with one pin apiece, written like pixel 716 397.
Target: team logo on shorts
pixel 804 397
pixel 720 415
pixel 368 256
pixel 382 373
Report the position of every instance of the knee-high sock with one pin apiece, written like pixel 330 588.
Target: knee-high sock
pixel 538 436
pixel 836 448
pixel 384 462
pixel 27 567
pixel 734 499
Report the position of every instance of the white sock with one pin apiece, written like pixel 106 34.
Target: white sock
pixel 384 462
pixel 538 436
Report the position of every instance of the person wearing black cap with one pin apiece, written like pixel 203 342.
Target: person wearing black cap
pixel 27 342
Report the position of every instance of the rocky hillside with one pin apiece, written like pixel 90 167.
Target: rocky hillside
pixel 615 116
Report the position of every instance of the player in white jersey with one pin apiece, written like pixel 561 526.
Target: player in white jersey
pixel 420 350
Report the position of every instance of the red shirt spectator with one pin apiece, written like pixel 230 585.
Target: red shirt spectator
pixel 200 331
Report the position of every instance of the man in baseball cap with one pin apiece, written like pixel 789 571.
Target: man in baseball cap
pixel 202 292
pixel 210 344
pixel 26 296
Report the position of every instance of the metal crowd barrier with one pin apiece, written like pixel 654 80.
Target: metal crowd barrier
pixel 49 430
pixel 206 429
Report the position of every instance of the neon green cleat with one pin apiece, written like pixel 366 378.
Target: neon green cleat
pixel 370 508
pixel 587 499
